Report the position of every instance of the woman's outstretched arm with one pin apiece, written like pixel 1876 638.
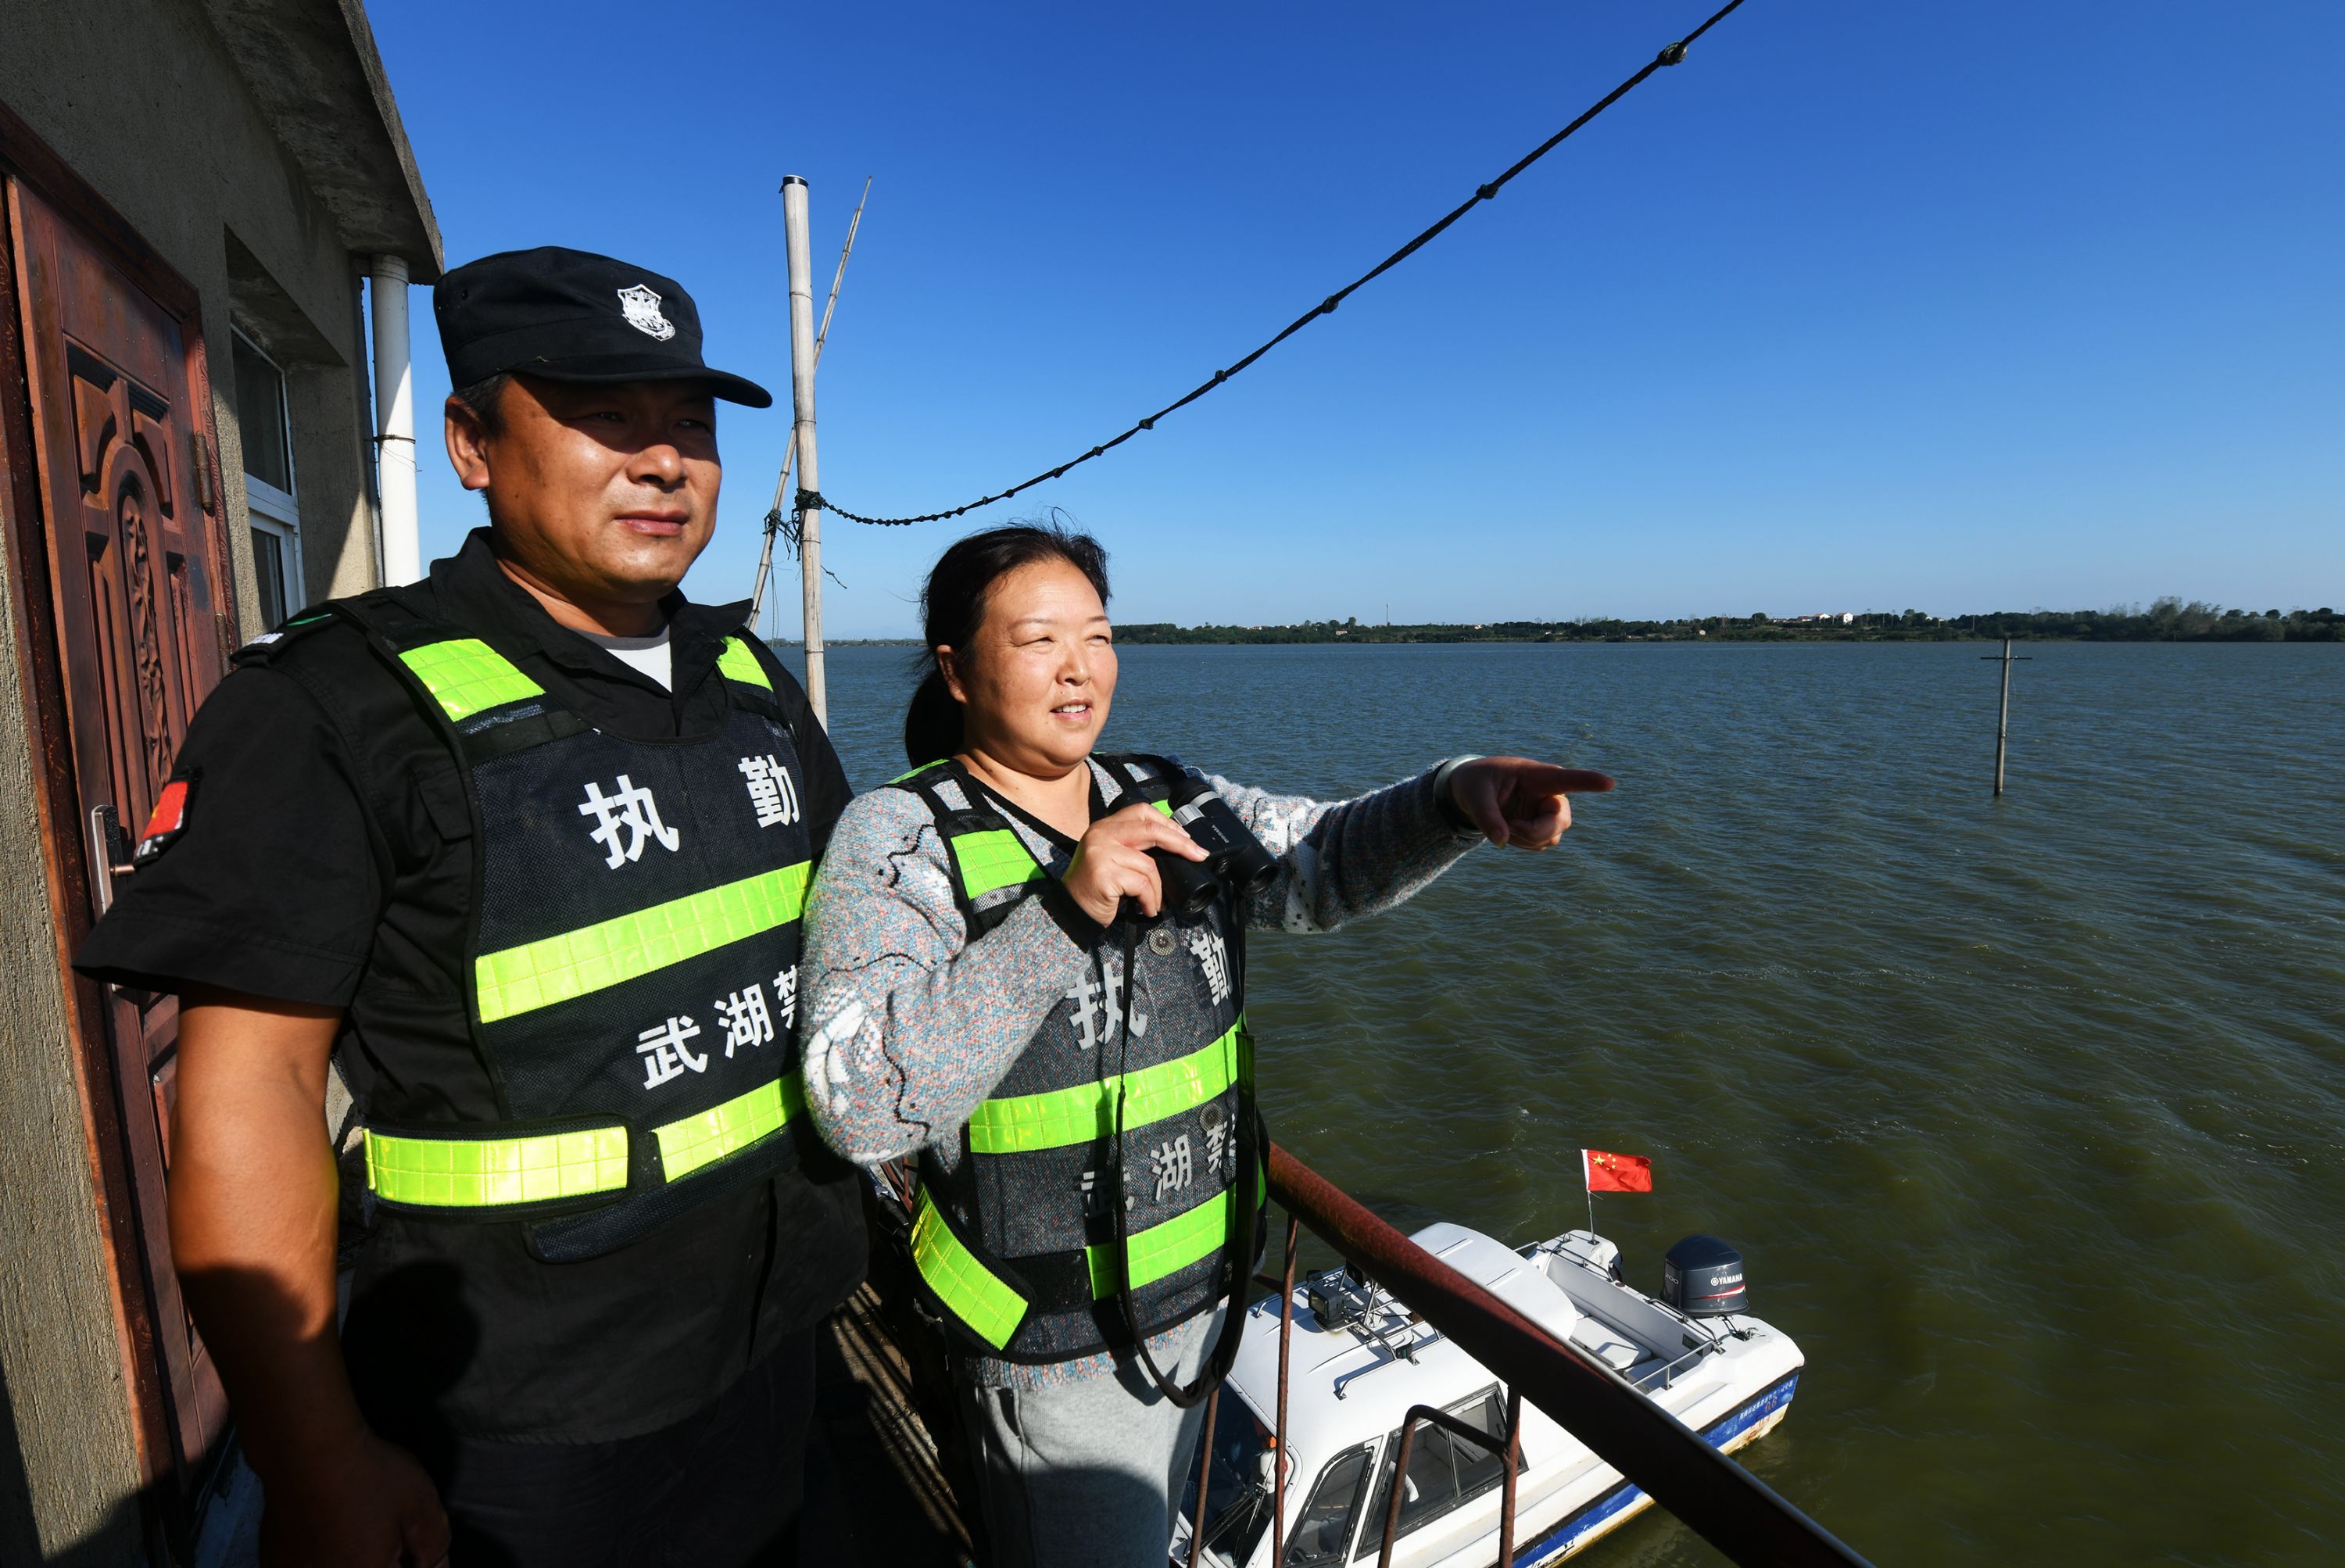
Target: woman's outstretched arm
pixel 1338 861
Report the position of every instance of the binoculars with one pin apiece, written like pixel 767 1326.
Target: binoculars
pixel 1234 858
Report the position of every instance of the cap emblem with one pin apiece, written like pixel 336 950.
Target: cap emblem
pixel 642 308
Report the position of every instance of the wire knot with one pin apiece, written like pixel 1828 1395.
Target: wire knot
pixel 1671 56
pixel 1486 191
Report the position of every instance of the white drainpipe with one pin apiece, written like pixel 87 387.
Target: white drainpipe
pixel 394 422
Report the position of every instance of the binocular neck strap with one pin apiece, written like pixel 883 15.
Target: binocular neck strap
pixel 1237 1252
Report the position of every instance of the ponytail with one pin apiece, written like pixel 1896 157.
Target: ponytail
pixel 932 728
pixel 952 607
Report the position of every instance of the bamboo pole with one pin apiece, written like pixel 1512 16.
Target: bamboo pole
pixel 789 453
pixel 793 227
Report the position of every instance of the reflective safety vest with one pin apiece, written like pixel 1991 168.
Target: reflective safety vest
pixel 632 951
pixel 1018 1248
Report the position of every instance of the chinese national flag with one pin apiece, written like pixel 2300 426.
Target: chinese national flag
pixel 1617 1173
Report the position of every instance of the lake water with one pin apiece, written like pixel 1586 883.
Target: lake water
pixel 2028 1115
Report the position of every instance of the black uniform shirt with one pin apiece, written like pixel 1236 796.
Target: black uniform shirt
pixel 327 858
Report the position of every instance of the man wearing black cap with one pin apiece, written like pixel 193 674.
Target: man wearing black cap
pixel 522 849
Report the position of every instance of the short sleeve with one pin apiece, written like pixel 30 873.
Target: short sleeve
pixel 275 886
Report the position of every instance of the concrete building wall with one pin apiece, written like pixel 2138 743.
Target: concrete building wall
pixel 143 99
pixel 68 1476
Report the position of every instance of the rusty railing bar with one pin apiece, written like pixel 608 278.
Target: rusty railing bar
pixel 1285 1338
pixel 1205 1472
pixel 1728 1506
pixel 1400 1471
pixel 1514 1465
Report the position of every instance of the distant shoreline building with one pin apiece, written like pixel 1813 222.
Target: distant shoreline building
pixel 197 195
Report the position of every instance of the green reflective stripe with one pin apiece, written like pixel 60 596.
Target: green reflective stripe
pixel 1164 806
pixel 916 772
pixel 738 663
pixel 695 1141
pixel 1163 1248
pixel 464 675
pixel 995 858
pixel 485 1173
pixel 1020 1123
pixel 573 963
pixel 978 1298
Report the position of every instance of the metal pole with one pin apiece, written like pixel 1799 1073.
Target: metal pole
pixel 793 227
pixel 394 421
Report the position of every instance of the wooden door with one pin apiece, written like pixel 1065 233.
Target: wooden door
pixel 138 580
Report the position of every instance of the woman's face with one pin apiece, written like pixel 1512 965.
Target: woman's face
pixel 1036 684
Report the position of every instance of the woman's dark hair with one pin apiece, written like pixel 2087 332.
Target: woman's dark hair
pixel 953 607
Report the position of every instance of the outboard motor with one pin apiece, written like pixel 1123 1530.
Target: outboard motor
pixel 1701 1277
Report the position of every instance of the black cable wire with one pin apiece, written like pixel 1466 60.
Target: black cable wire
pixel 807 500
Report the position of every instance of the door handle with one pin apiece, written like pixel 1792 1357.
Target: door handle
pixel 109 853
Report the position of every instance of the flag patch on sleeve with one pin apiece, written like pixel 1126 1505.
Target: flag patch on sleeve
pixel 170 819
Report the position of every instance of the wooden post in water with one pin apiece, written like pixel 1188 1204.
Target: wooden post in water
pixel 794 233
pixel 2002 720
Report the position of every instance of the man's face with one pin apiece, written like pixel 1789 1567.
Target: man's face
pixel 604 494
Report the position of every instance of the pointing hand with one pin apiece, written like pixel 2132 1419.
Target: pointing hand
pixel 1520 802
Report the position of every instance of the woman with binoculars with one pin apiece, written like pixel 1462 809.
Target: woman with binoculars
pixel 1027 968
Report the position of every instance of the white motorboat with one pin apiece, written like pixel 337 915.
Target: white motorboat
pixel 1360 1359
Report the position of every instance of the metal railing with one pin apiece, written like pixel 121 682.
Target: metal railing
pixel 1670 1463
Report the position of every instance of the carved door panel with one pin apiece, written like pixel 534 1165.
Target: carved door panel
pixel 137 568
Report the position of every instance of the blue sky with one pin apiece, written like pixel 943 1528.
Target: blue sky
pixel 1864 306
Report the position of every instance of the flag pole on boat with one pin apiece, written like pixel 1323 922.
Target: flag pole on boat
pixel 1604 1172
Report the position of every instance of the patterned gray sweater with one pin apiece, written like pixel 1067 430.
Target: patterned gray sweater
pixel 908 1024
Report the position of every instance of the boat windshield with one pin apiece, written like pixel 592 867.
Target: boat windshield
pixel 1237 1485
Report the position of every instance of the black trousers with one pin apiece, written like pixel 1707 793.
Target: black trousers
pixel 724 1487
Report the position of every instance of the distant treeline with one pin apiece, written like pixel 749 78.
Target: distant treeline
pixel 2167 620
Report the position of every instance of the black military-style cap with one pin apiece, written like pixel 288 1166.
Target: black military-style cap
pixel 573 316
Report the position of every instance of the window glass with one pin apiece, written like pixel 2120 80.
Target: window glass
pixel 260 416
pixel 1321 1533
pixel 1444 1471
pixel 268 572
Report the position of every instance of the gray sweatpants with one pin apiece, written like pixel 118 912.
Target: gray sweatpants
pixel 1086 1474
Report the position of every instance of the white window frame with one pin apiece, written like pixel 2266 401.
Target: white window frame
pixel 267 508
